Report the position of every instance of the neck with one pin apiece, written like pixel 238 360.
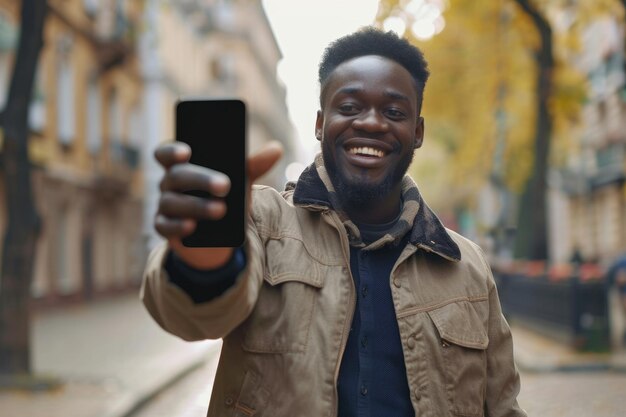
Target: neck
pixel 379 211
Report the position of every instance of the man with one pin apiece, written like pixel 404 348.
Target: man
pixel 349 297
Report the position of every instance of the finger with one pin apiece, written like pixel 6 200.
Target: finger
pixel 173 228
pixel 264 160
pixel 188 177
pixel 172 153
pixel 178 205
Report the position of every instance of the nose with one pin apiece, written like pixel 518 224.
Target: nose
pixel 370 121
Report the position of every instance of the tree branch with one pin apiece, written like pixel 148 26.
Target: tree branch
pixel 542 24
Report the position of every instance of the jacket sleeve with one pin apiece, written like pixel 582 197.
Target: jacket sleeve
pixel 503 381
pixel 174 310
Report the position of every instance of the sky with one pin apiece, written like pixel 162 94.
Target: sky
pixel 303 29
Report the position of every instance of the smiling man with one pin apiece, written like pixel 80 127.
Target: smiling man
pixel 349 297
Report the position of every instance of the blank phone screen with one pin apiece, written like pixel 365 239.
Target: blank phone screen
pixel 216 132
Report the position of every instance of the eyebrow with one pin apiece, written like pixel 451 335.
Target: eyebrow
pixel 388 93
pixel 395 95
pixel 350 90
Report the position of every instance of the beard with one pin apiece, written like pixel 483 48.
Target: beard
pixel 356 193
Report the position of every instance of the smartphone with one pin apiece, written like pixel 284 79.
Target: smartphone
pixel 216 132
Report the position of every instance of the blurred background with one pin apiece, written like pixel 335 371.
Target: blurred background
pixel 525 153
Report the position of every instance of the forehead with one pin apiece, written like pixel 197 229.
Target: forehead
pixel 371 72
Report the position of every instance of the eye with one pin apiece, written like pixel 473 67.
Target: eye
pixel 348 108
pixel 395 114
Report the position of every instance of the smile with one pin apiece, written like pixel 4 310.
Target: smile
pixel 366 151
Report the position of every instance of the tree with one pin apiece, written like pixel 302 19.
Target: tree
pixel 532 235
pixel 23 222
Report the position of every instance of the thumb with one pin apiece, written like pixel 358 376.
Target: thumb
pixel 264 160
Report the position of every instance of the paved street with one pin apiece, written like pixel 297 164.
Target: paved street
pixel 564 394
pixel 574 394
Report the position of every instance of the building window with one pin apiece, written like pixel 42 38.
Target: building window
pixel 135 128
pixel 115 125
pixel 37 109
pixel 5 65
pixel 64 281
pixel 8 40
pixel 66 111
pixel 135 133
pixel 94 117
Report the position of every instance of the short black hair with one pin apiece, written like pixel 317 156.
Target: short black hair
pixel 372 41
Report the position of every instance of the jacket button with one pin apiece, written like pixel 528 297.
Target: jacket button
pixel 396 283
pixel 418 395
pixel 411 342
pixel 363 390
pixel 229 401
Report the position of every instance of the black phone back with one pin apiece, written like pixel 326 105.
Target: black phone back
pixel 216 132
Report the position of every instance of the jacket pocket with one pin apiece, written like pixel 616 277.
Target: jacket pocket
pixel 281 318
pixel 252 397
pixel 464 342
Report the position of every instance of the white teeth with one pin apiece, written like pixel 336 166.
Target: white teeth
pixel 366 151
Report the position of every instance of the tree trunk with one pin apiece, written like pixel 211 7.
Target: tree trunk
pixel 18 251
pixel 532 240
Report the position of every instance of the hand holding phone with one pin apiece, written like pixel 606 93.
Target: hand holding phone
pixel 179 213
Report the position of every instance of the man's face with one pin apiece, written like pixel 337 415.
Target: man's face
pixel 369 127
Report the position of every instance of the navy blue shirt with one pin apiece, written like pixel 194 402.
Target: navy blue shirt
pixel 372 378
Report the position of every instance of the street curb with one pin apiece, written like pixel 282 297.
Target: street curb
pixel 547 368
pixel 130 402
pixel 536 365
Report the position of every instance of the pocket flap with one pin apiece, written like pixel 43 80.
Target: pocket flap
pixel 460 324
pixel 288 260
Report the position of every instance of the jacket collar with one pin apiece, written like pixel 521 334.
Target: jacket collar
pixel 426 233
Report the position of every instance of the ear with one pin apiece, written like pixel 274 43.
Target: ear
pixel 319 124
pixel 419 132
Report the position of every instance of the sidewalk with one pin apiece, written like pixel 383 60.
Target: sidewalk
pixel 111 356
pixel 537 353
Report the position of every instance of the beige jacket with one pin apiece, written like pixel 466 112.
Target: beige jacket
pixel 286 320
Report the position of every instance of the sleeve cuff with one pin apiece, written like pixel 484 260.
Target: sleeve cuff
pixel 204 285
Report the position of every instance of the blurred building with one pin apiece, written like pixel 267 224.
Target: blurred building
pixel 588 198
pixel 110 73
pixel 210 48
pixel 85 121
